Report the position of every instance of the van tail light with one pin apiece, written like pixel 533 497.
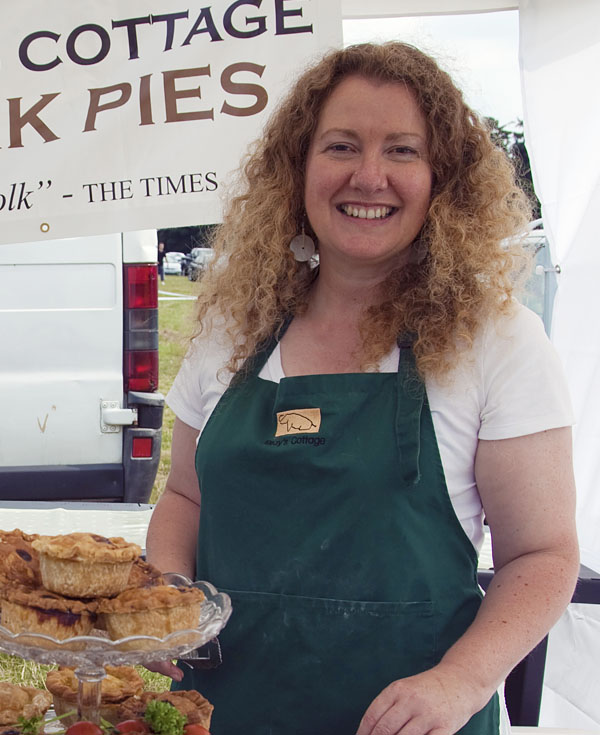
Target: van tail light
pixel 140 295
pixel 141 447
pixel 141 369
pixel 141 287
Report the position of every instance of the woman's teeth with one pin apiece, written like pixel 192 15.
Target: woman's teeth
pixel 366 212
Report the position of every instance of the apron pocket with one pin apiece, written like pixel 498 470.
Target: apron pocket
pixel 311 665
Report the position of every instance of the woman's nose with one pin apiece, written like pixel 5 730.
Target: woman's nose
pixel 370 175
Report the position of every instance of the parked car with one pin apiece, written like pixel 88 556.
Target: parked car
pixel 186 260
pixel 172 264
pixel 201 257
pixel 82 415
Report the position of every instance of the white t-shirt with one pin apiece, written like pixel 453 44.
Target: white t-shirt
pixel 511 383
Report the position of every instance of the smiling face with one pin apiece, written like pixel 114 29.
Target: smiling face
pixel 368 180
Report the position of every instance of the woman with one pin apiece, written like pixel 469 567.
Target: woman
pixel 381 404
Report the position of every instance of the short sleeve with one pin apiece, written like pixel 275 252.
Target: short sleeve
pixel 525 389
pixel 185 394
pixel 200 382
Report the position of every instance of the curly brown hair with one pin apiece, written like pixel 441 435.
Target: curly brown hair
pixel 469 269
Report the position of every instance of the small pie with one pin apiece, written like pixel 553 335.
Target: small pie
pixel 154 611
pixel 18 559
pixel 119 684
pixel 41 611
pixel 21 701
pixel 85 564
pixel 144 574
pixel 190 703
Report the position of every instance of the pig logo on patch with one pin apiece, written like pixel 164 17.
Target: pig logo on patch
pixel 296 422
pixel 299 421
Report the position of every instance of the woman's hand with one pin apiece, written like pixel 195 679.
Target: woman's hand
pixel 437 702
pixel 166 668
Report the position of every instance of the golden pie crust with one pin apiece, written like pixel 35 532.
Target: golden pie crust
pixel 85 564
pixel 18 559
pixel 119 684
pixel 41 611
pixel 17 536
pixel 144 574
pixel 87 547
pixel 149 598
pixel 21 701
pixel 154 611
pixel 190 703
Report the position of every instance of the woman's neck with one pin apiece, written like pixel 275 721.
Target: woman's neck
pixel 338 295
pixel 326 337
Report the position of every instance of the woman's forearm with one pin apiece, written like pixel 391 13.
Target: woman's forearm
pixel 524 600
pixel 173 533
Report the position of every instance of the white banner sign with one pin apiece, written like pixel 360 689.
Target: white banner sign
pixel 132 115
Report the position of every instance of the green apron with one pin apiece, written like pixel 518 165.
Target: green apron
pixel 338 544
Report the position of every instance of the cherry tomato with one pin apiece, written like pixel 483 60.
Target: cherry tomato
pixel 133 726
pixel 195 730
pixel 84 728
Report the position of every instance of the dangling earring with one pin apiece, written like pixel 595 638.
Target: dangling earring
pixel 302 246
pixel 419 251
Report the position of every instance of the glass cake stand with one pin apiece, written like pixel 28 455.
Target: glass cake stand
pixel 90 654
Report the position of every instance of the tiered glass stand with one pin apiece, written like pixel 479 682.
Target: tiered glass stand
pixel 90 654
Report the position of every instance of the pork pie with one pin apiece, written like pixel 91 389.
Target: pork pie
pixel 40 611
pixel 21 701
pixel 190 703
pixel 120 683
pixel 18 559
pixel 154 611
pixel 85 564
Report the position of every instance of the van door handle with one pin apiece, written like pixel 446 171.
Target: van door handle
pixel 112 417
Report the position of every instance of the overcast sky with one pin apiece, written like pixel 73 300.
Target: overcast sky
pixel 479 50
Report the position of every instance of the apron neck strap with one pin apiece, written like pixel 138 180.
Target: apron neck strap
pixel 412 400
pixel 255 363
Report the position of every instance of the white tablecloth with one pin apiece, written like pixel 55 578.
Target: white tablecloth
pixel 129 520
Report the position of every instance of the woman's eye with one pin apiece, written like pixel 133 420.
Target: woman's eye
pixel 405 152
pixel 339 147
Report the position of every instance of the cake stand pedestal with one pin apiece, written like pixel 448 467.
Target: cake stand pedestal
pixel 90 654
pixel 89 692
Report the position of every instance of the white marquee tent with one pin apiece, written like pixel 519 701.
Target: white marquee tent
pixel 559 54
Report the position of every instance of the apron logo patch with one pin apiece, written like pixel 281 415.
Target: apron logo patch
pixel 299 421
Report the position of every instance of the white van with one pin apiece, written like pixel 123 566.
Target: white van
pixel 80 412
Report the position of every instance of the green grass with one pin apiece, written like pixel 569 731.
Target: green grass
pixel 18 671
pixel 175 322
pixel 30 673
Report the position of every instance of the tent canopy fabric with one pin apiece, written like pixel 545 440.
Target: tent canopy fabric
pixel 397 8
